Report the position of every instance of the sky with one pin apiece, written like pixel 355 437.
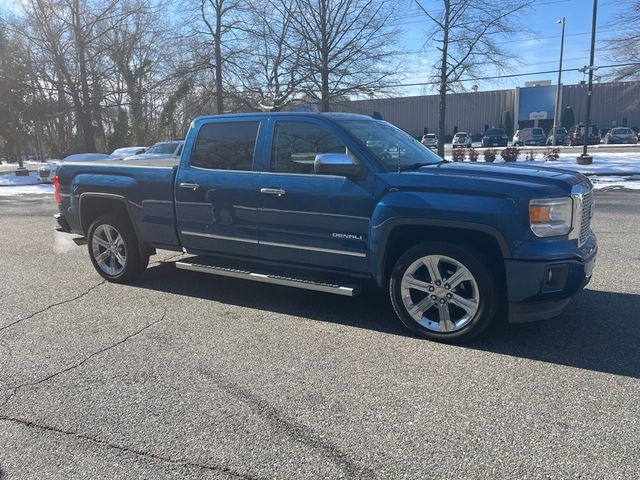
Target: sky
pixel 537 49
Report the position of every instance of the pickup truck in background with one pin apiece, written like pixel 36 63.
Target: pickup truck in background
pixel 331 202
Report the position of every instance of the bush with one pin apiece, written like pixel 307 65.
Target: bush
pixel 551 154
pixel 531 156
pixel 457 155
pixel 489 155
pixel 472 154
pixel 510 154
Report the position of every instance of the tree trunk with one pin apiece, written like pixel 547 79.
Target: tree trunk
pixel 324 73
pixel 442 106
pixel 86 120
pixel 218 55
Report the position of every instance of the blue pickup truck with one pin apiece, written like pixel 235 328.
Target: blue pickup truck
pixel 331 202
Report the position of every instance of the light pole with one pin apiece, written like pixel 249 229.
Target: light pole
pixel 556 112
pixel 585 159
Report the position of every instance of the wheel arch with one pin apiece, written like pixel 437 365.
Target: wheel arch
pixel 92 205
pixel 404 235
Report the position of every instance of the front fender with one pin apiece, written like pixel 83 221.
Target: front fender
pixel 498 217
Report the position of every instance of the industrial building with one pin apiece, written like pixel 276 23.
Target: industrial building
pixel 613 104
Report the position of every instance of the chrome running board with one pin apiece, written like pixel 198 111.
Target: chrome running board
pixel 346 290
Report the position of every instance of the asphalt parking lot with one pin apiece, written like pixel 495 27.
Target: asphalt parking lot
pixel 183 375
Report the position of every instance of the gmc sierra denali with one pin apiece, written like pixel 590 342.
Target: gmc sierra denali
pixel 330 202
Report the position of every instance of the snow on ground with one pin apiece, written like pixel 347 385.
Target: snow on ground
pixel 603 163
pixel 615 163
pixel 26 190
pixel 613 183
pixel 11 185
pixel 608 170
pixel 11 180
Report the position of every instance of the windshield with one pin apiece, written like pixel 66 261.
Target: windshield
pixel 393 147
pixel 494 131
pixel 621 131
pixel 537 131
pixel 164 148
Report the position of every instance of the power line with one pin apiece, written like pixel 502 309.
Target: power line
pixel 514 75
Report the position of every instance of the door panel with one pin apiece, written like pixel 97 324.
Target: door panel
pixel 217 192
pixel 309 219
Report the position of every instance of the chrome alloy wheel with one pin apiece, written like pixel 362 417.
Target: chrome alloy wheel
pixel 109 250
pixel 440 293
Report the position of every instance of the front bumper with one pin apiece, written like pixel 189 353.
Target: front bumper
pixel 538 290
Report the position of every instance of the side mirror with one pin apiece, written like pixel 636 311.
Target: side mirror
pixel 338 164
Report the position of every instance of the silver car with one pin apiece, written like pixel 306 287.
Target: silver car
pixel 461 139
pixel 48 171
pixel 160 150
pixel 429 140
pixel 127 152
pixel 620 135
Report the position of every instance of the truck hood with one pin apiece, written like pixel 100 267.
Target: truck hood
pixel 512 180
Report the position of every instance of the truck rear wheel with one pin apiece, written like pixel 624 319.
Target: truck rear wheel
pixel 113 248
pixel 443 292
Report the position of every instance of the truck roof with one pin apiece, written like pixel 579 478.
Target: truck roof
pixel 331 115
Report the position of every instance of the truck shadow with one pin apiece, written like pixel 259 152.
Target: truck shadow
pixel 598 331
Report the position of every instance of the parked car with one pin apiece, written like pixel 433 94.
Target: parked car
pixel 127 152
pixel 620 135
pixel 461 139
pixel 167 150
pixel 576 135
pixel 561 136
pixel 430 140
pixel 529 136
pixel 494 137
pixel 48 171
pixel 454 244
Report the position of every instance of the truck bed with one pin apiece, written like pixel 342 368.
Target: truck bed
pixel 144 187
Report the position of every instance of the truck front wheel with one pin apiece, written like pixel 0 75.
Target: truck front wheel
pixel 443 292
pixel 113 248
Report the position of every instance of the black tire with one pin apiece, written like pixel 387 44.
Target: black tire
pixel 488 285
pixel 135 263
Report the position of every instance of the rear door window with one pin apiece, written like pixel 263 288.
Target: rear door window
pixel 225 146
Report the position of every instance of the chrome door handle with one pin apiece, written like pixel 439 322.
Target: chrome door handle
pixel 273 191
pixel 192 186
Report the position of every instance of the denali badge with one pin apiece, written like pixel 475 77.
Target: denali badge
pixel 347 236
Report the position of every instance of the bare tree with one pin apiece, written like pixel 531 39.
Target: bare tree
pixel 137 45
pixel 224 22
pixel 64 34
pixel 271 77
pixel 347 47
pixel 465 32
pixel 625 47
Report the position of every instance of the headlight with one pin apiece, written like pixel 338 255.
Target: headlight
pixel 550 217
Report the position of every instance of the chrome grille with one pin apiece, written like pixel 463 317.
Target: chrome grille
pixel 585 221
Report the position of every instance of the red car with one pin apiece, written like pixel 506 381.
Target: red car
pixel 576 135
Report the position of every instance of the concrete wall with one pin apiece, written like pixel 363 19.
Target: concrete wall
pixel 611 102
pixel 472 111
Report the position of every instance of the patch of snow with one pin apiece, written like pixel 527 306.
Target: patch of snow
pixel 26 190
pixel 610 163
pixel 12 179
pixel 617 182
